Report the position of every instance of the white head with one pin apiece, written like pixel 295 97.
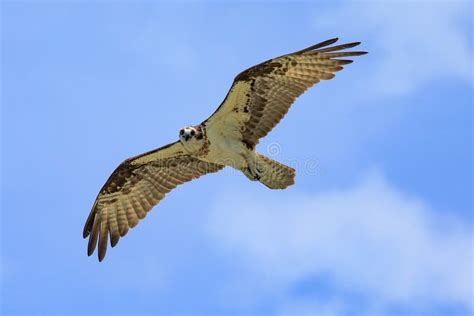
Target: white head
pixel 192 138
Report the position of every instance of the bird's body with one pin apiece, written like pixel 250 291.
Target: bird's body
pixel 258 99
pixel 215 147
pixel 227 152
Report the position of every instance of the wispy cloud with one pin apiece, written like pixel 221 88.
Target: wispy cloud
pixel 411 43
pixel 370 240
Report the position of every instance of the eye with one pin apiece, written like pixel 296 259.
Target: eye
pixel 193 133
pixel 181 132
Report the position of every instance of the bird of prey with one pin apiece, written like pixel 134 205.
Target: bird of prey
pixel 257 100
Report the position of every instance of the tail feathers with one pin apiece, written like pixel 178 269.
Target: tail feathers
pixel 274 174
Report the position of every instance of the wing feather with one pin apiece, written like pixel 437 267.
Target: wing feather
pixel 103 236
pixel 134 188
pixel 261 95
pixel 114 227
pixel 94 235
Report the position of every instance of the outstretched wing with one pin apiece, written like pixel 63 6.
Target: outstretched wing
pixel 137 185
pixel 261 95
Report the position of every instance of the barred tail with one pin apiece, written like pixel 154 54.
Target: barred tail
pixel 274 174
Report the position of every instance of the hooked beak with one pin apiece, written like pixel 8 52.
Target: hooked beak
pixel 186 137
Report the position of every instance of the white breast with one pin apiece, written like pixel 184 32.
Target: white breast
pixel 227 151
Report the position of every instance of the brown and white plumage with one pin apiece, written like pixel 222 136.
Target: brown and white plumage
pixel 137 185
pixel 258 99
pixel 261 95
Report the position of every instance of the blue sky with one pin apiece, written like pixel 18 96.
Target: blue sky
pixel 380 220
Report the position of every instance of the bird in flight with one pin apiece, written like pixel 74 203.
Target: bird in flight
pixel 258 99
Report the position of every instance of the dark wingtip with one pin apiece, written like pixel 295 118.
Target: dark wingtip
pixel 319 45
pixel 103 241
pixel 114 241
pixel 323 44
pixel 345 61
pixel 89 221
pixel 90 251
pixel 87 227
pixel 353 44
pixel 91 245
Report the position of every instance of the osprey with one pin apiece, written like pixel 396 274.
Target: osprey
pixel 258 99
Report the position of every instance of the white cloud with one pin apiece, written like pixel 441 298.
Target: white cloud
pixel 410 43
pixel 371 240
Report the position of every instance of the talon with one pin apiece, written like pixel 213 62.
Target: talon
pixel 255 173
